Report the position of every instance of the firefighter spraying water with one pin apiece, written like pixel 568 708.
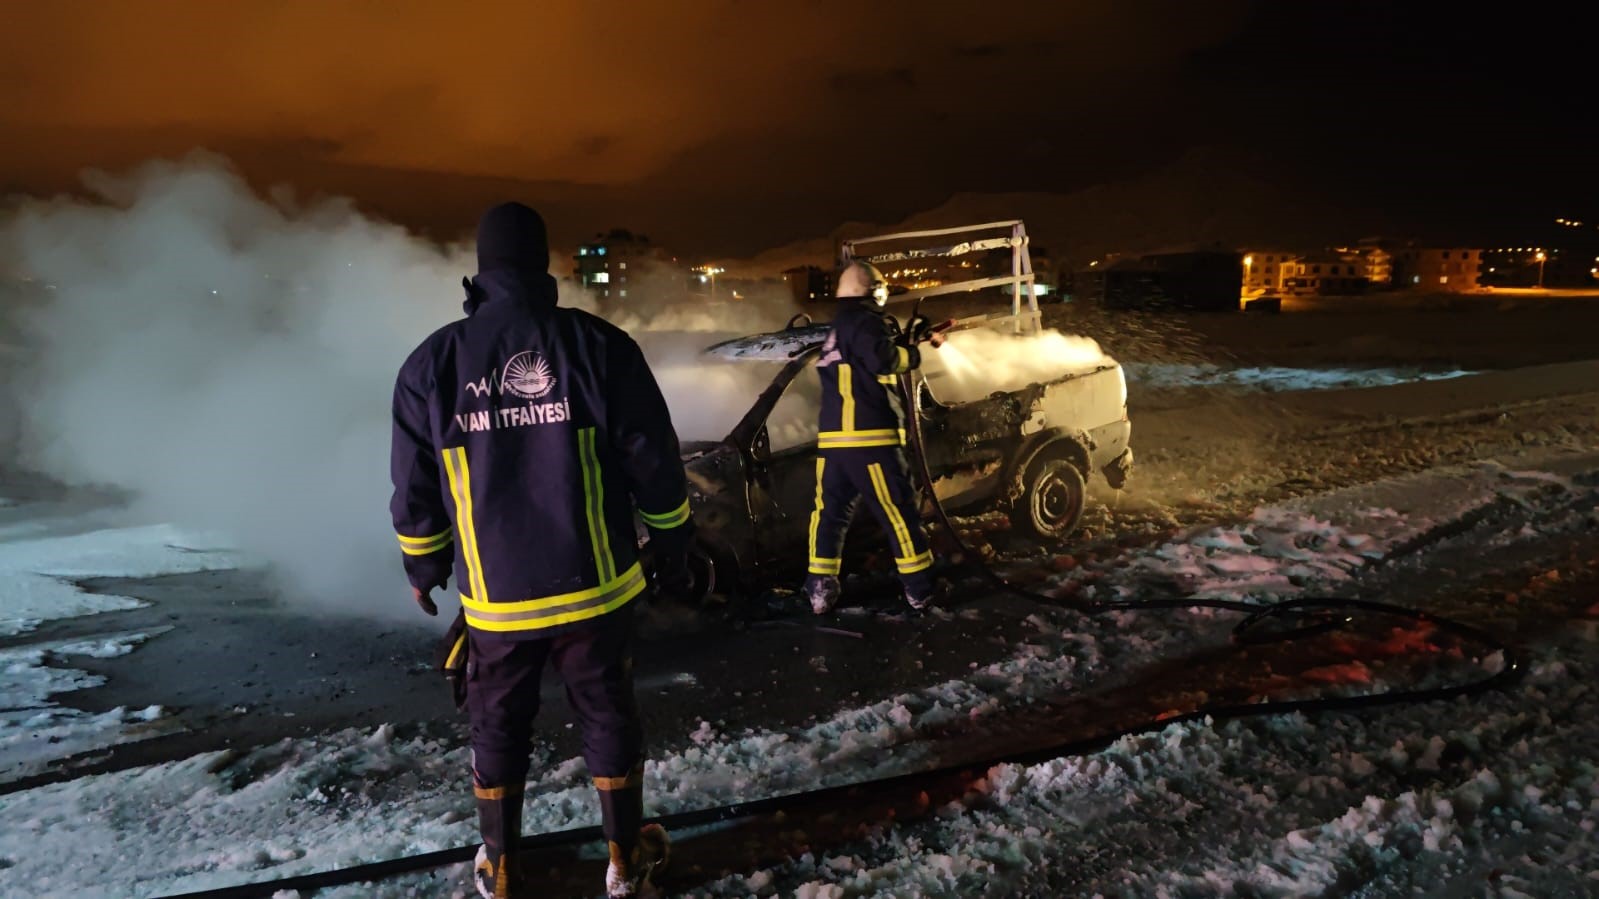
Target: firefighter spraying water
pixel 861 438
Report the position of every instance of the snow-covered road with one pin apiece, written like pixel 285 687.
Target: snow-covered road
pixel 1392 800
pixel 1472 497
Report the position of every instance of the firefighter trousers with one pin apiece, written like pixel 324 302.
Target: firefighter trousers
pixel 879 475
pixel 502 699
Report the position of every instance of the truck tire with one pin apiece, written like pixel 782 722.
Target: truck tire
pixel 1052 500
pixel 715 570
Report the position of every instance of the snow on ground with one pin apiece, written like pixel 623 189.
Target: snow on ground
pixel 1275 378
pixel 36 573
pixel 36 585
pixel 1319 541
pixel 334 800
pixel 35 731
pixel 1494 795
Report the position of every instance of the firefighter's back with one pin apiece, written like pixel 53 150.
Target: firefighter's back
pixel 542 516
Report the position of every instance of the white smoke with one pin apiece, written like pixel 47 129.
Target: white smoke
pixel 973 364
pixel 230 362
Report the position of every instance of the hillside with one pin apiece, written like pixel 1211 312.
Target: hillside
pixel 1206 197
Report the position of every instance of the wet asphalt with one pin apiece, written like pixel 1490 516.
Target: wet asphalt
pixel 239 667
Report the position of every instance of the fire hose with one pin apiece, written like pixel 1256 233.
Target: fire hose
pixel 1329 612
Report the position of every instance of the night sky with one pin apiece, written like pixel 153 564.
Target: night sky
pixel 737 126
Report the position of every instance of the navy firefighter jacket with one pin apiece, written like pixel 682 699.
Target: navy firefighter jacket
pixel 523 435
pixel 859 367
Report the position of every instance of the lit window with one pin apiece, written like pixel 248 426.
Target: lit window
pixel 621 265
pixel 623 292
pixel 602 277
pixel 600 251
pixel 582 251
pixel 1443 279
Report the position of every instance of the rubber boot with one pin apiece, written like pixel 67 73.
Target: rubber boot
pixel 621 820
pixel 499 814
pixel 921 594
pixel 630 875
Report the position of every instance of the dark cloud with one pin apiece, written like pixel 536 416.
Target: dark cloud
pixel 879 83
pixel 735 123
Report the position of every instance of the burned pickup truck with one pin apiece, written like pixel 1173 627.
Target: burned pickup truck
pixel 1028 451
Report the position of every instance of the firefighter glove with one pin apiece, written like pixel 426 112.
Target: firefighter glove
pixel 425 600
pixel 673 579
pixel 917 330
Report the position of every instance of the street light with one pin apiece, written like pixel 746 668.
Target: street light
pixel 1249 259
pixel 713 271
pixel 1540 257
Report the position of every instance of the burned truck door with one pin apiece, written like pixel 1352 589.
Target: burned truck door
pixel 787 467
pixel 779 454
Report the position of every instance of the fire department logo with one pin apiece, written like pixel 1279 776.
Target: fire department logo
pixel 528 376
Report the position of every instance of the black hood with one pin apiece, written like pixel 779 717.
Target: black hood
pixel 512 236
pixel 513 260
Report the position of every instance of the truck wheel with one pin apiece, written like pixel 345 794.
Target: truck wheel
pixel 1052 499
pixel 715 572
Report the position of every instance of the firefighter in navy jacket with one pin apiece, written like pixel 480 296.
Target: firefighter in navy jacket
pixel 860 440
pixel 523 436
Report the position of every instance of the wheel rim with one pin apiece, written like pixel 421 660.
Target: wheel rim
pixel 1055 502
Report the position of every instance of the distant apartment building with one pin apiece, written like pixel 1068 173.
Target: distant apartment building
pixel 1335 271
pixel 1265 270
pixel 1195 281
pixel 614 262
pixel 1325 273
pixel 1046 273
pixel 1373 261
pixel 809 283
pixel 1452 270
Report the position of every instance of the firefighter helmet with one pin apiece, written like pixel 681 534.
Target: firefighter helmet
pixel 862 279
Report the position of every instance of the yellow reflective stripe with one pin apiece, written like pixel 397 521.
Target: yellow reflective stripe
pixel 858 444
pixel 825 566
pixel 666 520
pixel 848 439
pixel 496 792
pixel 889 380
pixel 549 611
pixel 461 491
pixel 441 537
pixel 816 511
pixel 915 563
pixel 901 532
pixel 455 652
pixel 634 778
pixel 470 537
pixel 426 550
pixel 902 359
pixel 846 392
pixel 594 493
